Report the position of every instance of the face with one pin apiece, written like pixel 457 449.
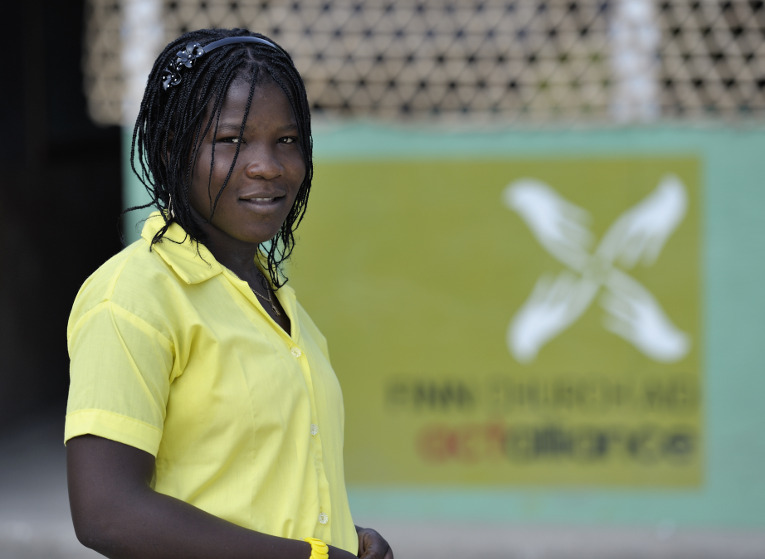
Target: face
pixel 264 180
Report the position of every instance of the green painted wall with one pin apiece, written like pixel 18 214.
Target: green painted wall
pixel 732 309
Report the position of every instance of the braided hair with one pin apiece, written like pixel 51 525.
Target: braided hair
pixel 173 120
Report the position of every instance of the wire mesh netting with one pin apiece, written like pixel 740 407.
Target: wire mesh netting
pixel 481 60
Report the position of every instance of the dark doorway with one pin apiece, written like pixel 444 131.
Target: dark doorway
pixel 60 200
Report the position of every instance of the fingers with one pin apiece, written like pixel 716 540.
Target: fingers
pixel 373 545
pixel 371 554
pixel 375 553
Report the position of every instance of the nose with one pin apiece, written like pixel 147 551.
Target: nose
pixel 262 162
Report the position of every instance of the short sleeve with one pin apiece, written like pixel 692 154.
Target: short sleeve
pixel 120 374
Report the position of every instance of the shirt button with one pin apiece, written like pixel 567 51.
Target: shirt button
pixel 314 429
pixel 296 352
pixel 323 518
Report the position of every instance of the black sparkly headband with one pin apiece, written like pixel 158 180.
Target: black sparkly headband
pixel 171 76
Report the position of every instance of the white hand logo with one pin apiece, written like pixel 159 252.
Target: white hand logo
pixel 551 308
pixel 640 233
pixel 559 226
pixel 636 316
pixel 636 236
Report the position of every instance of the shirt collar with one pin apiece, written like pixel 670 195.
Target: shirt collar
pixel 189 259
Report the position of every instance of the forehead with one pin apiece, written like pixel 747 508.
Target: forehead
pixel 267 99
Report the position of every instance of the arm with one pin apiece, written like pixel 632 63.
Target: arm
pixel 116 513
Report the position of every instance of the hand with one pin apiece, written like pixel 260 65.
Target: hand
pixel 558 225
pixel 551 308
pixel 640 232
pixel 372 545
pixel 637 317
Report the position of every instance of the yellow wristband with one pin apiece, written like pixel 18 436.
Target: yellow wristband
pixel 319 549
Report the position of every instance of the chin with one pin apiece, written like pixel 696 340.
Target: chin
pixel 259 239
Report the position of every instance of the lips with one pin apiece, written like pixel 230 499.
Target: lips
pixel 260 199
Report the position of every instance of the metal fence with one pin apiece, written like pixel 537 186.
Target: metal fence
pixel 576 61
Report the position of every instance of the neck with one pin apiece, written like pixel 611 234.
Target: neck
pixel 238 256
pixel 242 263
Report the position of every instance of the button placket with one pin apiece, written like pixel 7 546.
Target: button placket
pixel 297 353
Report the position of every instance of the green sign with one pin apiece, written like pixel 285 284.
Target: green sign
pixel 526 321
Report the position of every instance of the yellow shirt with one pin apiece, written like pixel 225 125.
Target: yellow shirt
pixel 173 354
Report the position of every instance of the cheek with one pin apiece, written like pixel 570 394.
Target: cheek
pixel 299 170
pixel 299 180
pixel 206 182
pixel 204 189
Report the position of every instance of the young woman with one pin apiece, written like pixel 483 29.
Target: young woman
pixel 204 418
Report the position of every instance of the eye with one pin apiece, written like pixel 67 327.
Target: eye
pixel 288 140
pixel 229 140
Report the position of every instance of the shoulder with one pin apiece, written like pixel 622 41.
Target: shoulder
pixel 137 270
pixel 136 280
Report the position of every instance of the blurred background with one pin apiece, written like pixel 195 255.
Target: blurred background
pixel 535 244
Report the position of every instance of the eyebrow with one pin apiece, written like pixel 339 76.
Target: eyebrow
pixel 227 127
pixel 234 126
